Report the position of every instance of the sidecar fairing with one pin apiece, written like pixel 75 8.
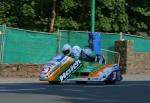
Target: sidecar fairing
pixel 63 68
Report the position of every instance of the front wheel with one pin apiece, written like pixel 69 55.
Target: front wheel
pixel 54 82
pixel 81 82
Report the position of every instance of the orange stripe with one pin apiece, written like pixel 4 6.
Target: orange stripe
pixel 96 72
pixel 59 70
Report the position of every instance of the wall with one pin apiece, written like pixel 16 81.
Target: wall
pixel 132 62
pixel 20 70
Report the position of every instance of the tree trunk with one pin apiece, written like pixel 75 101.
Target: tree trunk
pixel 84 10
pixel 51 28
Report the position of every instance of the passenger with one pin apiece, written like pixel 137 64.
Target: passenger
pixel 82 54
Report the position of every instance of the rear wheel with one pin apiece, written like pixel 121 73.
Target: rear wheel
pixel 121 77
pixel 54 82
pixel 110 82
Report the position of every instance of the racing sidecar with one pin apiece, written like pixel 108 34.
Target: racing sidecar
pixel 62 68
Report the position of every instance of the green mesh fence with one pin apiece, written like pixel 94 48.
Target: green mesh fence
pixel 81 38
pixel 73 37
pixel 111 57
pixel 2 37
pixel 1 30
pixel 28 47
pixel 140 44
pixel 107 40
pixel 22 46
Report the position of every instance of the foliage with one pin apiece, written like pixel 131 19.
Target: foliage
pixel 139 13
pixel 111 15
pixel 68 5
pixel 70 24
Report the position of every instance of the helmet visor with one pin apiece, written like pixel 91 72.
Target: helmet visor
pixel 66 52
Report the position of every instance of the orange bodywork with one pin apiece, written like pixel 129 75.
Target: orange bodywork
pixel 66 64
pixel 96 72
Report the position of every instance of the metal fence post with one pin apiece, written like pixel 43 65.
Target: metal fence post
pixel 2 43
pixel 1 33
pixel 58 41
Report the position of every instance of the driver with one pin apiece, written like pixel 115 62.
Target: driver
pixel 66 49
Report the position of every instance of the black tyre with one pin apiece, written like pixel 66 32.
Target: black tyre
pixel 121 78
pixel 54 82
pixel 110 82
pixel 81 82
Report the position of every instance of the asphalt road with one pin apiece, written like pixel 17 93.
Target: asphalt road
pixel 124 92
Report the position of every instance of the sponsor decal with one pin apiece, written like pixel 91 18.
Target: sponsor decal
pixel 46 70
pixel 107 71
pixel 71 70
pixel 115 67
pixel 95 79
pixel 58 58
pixel 52 65
pixel 48 67
pixel 64 60
pixel 102 76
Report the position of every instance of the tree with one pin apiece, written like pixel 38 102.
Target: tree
pixel 6 12
pixel 53 16
pixel 139 15
pixel 111 16
pixel 67 15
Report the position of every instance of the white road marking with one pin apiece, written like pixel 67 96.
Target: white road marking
pixel 72 90
pixel 16 90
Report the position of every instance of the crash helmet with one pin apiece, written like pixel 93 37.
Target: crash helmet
pixel 66 49
pixel 88 52
pixel 76 52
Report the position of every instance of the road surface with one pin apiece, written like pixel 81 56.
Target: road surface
pixel 42 92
